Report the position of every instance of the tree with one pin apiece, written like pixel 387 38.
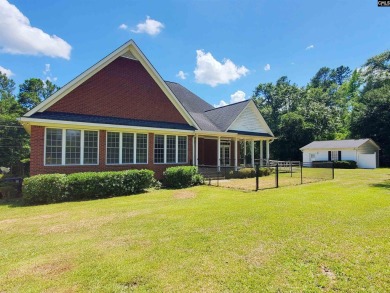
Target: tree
pixel 376 71
pixel 33 91
pixel 14 144
pixel 371 119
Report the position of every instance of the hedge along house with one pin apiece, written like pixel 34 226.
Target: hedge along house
pixel 120 114
pixel 365 152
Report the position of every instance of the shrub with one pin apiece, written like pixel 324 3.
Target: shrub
pixel 48 188
pixel 249 173
pixel 337 164
pixel 182 176
pixel 87 185
pixel 345 164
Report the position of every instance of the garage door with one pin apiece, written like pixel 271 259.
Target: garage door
pixel 367 161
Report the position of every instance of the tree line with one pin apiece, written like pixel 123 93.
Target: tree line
pixel 337 103
pixel 14 140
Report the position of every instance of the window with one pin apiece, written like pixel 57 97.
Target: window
pixel 182 149
pixel 113 139
pixel 170 149
pixel 90 147
pixel 53 147
pixel 142 148
pixel 334 155
pixel 159 148
pixel 71 147
pixel 127 148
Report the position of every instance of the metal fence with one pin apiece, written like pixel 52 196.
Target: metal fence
pixel 277 174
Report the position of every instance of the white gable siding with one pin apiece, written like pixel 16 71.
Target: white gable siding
pixel 248 121
pixel 367 148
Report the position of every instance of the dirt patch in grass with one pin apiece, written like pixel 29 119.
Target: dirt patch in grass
pixel 76 226
pixel 327 272
pixel 8 221
pixel 50 269
pixel 184 194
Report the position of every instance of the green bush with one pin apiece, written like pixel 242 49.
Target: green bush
pixel 249 173
pixel 181 177
pixel 88 185
pixel 42 189
pixel 337 164
pixel 345 164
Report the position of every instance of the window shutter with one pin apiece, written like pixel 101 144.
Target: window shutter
pixel 329 156
pixel 339 157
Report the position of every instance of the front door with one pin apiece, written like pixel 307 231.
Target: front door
pixel 225 153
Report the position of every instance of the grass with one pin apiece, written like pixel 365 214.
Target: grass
pixel 325 236
pixel 309 175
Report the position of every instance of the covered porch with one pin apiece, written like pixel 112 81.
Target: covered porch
pixel 233 151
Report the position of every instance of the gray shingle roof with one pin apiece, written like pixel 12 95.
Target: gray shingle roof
pixel 205 115
pixel 336 144
pixel 224 116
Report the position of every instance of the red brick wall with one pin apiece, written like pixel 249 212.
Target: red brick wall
pixel 37 157
pixel 122 89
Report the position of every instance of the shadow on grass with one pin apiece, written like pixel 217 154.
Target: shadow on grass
pixel 385 184
pixel 12 202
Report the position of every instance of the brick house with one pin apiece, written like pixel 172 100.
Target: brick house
pixel 120 114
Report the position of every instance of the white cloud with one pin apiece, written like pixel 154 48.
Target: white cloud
pixel 150 26
pixel 212 72
pixel 47 69
pixel 6 71
pixel 267 67
pixel 310 47
pixel 17 36
pixel 238 96
pixel 47 73
pixel 123 26
pixel 221 104
pixel 181 74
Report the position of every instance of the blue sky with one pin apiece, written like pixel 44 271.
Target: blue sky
pixel 263 40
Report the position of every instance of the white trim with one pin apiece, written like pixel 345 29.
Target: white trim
pixel 253 153
pixel 177 150
pixel 135 148
pixel 100 126
pixel 131 47
pixel 63 148
pixel 235 154
pixel 258 116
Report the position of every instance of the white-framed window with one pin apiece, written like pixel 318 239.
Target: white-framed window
pixel 126 148
pixel 334 155
pixel 71 147
pixel 170 149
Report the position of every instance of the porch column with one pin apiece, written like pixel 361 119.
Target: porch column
pixel 244 152
pixel 196 150
pixel 267 152
pixel 253 153
pixel 219 154
pixel 261 153
pixel 235 154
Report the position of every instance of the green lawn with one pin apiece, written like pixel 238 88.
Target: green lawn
pixel 325 236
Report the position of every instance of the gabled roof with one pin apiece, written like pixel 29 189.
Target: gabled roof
pixel 198 113
pixel 224 116
pixel 338 144
pixel 128 50
pixel 209 118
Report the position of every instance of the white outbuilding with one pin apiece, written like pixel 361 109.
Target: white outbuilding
pixel 365 152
